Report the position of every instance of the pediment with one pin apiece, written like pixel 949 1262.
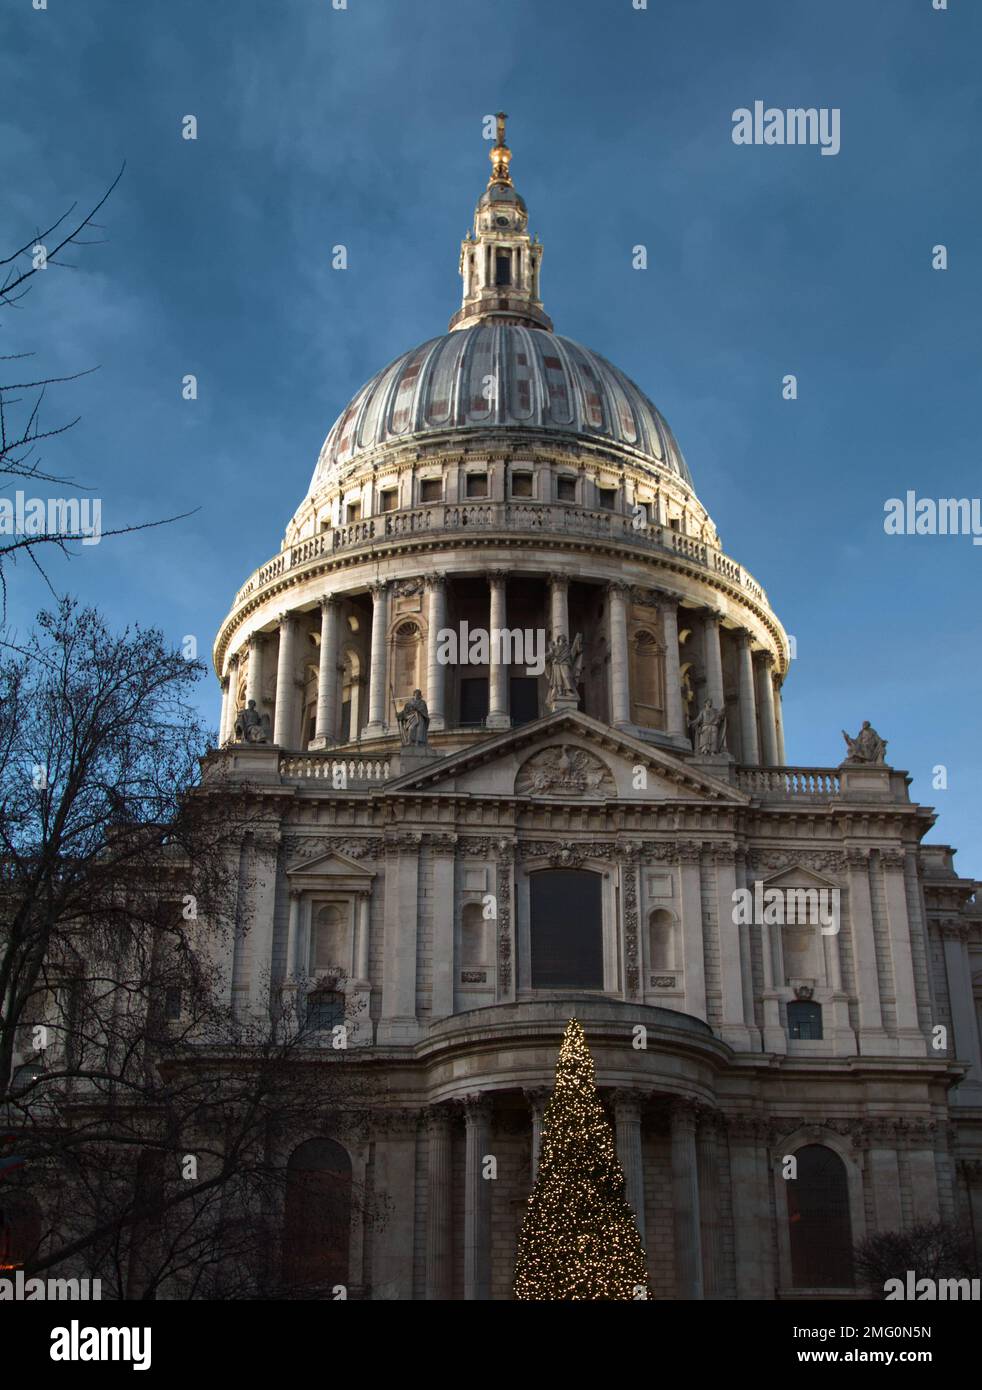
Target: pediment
pixel 568 756
pixel 310 862
pixel 797 876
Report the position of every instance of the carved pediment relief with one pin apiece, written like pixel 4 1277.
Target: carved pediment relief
pixel 564 770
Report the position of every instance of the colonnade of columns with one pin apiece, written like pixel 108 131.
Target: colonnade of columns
pixel 695 1188
pixel 761 736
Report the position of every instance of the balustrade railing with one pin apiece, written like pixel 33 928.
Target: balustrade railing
pixel 820 782
pixel 342 773
pixel 545 518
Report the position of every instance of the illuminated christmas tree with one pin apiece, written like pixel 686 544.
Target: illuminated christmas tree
pixel 579 1238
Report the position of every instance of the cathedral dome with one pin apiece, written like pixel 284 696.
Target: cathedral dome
pixel 499 376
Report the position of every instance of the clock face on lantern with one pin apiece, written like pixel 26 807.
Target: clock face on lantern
pixel 502 221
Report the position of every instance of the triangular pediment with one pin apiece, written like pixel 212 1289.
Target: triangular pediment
pixel 795 875
pixel 310 861
pixel 568 756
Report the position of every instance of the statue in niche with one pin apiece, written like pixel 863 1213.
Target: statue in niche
pixel 564 666
pixel 867 747
pixel 414 721
pixel 710 729
pixel 251 726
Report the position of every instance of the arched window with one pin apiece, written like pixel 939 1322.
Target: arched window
pixel 317 1220
pixel 818 1221
pixel 661 940
pixel 473 934
pixel 804 1020
pixel 325 1009
pixel 330 940
pixel 566 921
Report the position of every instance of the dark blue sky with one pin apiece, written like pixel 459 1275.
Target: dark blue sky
pixel 363 126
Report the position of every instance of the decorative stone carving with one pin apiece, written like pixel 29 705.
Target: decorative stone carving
pixel 632 967
pixel 564 771
pixel 503 892
pixel 564 666
pixel 302 848
pixel 663 982
pixel 251 726
pixel 407 588
pixel 866 748
pixel 710 729
pixel 414 721
pixel 473 977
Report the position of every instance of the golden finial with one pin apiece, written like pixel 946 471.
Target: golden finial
pixel 500 156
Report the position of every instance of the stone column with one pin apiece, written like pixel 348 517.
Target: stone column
pixel 498 716
pixel 707 1165
pixel 253 963
pixel 693 959
pixel 445 959
pixel 477 1199
pixel 965 1043
pixel 872 1037
pixel 883 1170
pixel 673 678
pixel 436 671
pixel 284 724
pixel 923 1169
pixel 362 966
pixel 765 697
pixel 228 731
pixel 748 705
pixel 377 691
pixel 326 728
pixel 398 1023
pixel 752 1217
pixel 254 670
pixel 734 1023
pixel 293 935
pixel 909 1034
pixel 782 757
pixel 620 691
pixel 538 1099
pixel 685 1201
pixel 713 659
pixel 223 718
pixel 627 1113
pixel 439 1204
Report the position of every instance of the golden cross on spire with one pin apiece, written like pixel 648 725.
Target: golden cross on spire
pixel 500 156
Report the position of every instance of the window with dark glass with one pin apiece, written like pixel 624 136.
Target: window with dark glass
pixel 473 700
pixel 431 489
pixel 325 1009
pixel 524 699
pixel 608 497
pixel 566 926
pixel 502 268
pixel 172 1003
pixel 477 485
pixel 818 1220
pixel 566 489
pixel 521 485
pixel 804 1020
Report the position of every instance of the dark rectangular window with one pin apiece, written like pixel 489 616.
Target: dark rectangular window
pixel 502 269
pixel 172 1003
pixel 566 930
pixel 608 498
pixel 431 490
pixel 477 485
pixel 387 500
pixel 473 699
pixel 566 489
pixel 524 696
pixel 521 485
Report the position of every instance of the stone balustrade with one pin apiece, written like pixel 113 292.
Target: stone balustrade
pixel 784 782
pixel 546 518
pixel 342 773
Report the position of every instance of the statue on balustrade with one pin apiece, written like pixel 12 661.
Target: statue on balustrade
pixel 867 747
pixel 414 721
pixel 564 666
pixel 710 729
pixel 251 726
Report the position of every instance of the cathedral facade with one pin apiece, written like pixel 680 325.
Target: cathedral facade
pixel 515 721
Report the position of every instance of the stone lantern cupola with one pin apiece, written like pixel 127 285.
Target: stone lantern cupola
pixel 499 261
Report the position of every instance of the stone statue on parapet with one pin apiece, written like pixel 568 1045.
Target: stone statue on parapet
pixel 251 726
pixel 710 729
pixel 564 666
pixel 867 747
pixel 414 721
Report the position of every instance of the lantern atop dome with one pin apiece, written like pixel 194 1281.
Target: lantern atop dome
pixel 499 261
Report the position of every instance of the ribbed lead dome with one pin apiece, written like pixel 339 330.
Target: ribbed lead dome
pixel 499 376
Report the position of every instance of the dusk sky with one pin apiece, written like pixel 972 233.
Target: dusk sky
pixel 363 127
